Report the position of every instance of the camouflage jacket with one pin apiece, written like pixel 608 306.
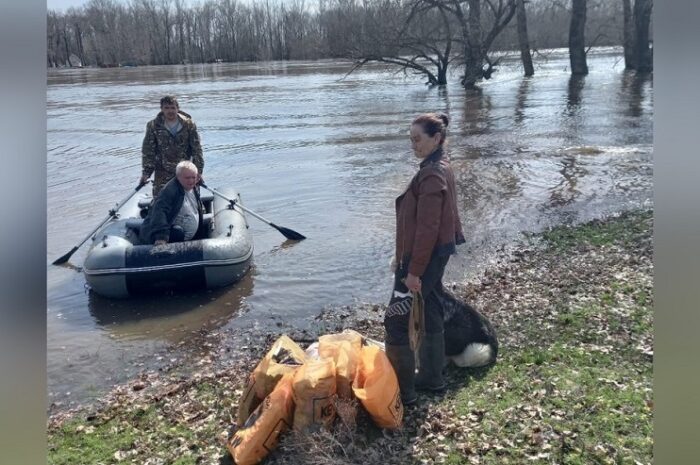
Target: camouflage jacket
pixel 161 151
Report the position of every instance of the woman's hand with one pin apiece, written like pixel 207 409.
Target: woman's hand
pixel 413 283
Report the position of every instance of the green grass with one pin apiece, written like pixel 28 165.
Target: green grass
pixel 99 443
pixel 624 232
pixel 577 399
pixel 590 406
pixel 576 392
pixel 69 445
pixel 580 392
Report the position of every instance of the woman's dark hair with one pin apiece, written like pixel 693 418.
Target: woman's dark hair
pixel 432 123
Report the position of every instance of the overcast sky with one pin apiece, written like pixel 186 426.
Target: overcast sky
pixel 62 5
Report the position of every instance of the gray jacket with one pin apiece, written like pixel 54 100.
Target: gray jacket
pixel 163 211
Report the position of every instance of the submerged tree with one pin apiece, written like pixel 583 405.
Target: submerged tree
pixel 642 52
pixel 577 51
pixel 628 34
pixel 422 36
pixel 523 40
pixel 636 34
pixel 421 43
pixel 476 43
pixel 424 46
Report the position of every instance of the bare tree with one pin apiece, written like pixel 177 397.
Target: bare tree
pixel 439 34
pixel 475 40
pixel 53 40
pixel 642 52
pixel 476 44
pixel 523 40
pixel 165 10
pixel 577 51
pixel 628 34
pixel 422 44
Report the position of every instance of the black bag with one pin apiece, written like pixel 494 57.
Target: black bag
pixel 464 325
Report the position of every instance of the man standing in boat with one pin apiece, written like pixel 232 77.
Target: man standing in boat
pixel 176 214
pixel 170 138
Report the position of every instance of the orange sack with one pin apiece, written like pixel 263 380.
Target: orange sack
pixel 260 432
pixel 285 356
pixel 314 394
pixel 344 349
pixel 377 388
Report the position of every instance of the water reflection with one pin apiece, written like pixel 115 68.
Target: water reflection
pixel 182 74
pixel 573 118
pixel 169 316
pixel 477 108
pixel 325 155
pixel 632 92
pixel 521 100
pixel 565 192
pixel 287 244
pixel 573 95
pixel 444 95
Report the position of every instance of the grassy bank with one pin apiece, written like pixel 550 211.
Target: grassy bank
pixel 572 384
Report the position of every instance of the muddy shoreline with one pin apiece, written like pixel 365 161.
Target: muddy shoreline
pixel 524 294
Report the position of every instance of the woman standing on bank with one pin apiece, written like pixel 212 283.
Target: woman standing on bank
pixel 427 231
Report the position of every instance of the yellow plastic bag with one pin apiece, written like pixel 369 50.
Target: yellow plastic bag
pixel 285 356
pixel 377 388
pixel 349 335
pixel 344 349
pixel 314 392
pixel 260 432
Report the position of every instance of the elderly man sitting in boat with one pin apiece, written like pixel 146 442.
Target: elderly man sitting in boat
pixel 176 214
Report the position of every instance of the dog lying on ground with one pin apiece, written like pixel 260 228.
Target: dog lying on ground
pixel 470 340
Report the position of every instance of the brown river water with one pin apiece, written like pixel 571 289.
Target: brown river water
pixel 325 155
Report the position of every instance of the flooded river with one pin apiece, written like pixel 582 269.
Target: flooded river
pixel 325 155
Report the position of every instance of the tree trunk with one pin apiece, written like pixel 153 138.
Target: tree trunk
pixel 79 43
pixel 442 76
pixel 577 50
pixel 473 57
pixel 65 43
pixel 628 34
pixel 166 38
pixel 523 40
pixel 642 52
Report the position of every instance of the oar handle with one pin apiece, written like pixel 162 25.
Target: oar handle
pixel 235 202
pixel 251 212
pixel 286 232
pixel 112 214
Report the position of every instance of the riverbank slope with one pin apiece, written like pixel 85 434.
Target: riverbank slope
pixel 573 308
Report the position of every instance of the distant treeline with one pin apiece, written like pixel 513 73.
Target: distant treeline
pixel 156 32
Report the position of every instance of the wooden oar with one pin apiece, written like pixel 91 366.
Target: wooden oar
pixel 112 214
pixel 288 233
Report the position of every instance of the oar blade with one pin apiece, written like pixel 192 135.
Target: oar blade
pixel 289 233
pixel 64 258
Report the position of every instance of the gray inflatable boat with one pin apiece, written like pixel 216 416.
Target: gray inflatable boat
pixel 116 266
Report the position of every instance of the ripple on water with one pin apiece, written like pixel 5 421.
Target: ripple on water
pixel 326 156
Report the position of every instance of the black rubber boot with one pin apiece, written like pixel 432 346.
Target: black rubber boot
pixel 432 362
pixel 403 361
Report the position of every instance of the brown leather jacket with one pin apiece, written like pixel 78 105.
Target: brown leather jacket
pixel 427 220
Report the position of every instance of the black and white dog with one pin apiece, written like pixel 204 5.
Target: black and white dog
pixel 470 340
